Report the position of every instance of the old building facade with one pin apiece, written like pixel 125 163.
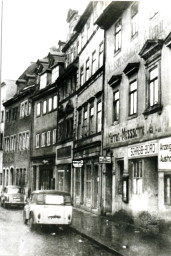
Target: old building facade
pixel 137 93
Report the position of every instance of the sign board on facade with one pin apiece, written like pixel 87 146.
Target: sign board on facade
pixel 164 159
pixel 77 163
pixel 145 149
pixel 105 159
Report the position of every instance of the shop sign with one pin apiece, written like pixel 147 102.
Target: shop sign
pixel 149 148
pixel 105 159
pixel 77 163
pixel 164 158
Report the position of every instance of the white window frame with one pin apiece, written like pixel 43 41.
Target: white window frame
pixel 138 177
pixel 44 107
pixel 55 73
pixel 54 136
pixel 43 81
pixel 48 138
pixel 38 109
pixel 43 139
pixel 37 140
pixel 50 105
pixel 118 35
pixel 55 102
pixel 133 86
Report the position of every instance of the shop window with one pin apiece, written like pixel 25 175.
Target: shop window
pixel 55 74
pixel 38 109
pixel 133 97
pixel 88 182
pixel 116 106
pixel 167 189
pixel 94 62
pixel 44 107
pixel 118 36
pixel 99 116
pixel 137 177
pixel 101 49
pixel 91 121
pixel 134 19
pixel 87 69
pixel 82 75
pixel 43 81
pixel 77 180
pixel 43 138
pixel 37 140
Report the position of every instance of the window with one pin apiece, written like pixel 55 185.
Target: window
pixel 137 177
pixel 55 102
pixel 55 74
pixel 82 75
pixel 2 116
pixel 79 123
pixel 101 49
pixel 48 138
pixel 134 19
pixel 24 110
pixel 14 143
pixel 88 29
pixel 116 106
pixel 94 64
pixel 118 36
pixel 133 98
pixel 153 86
pixel 11 143
pixel 88 182
pixel 37 140
pixel 27 140
pixel 44 107
pixel 20 142
pixel 85 121
pixel 38 109
pixel 167 189
pixel 43 139
pixel 87 69
pixel 50 104
pixel 91 122
pixel 99 116
pixel 82 37
pixel 54 136
pixel 23 141
pixel 43 81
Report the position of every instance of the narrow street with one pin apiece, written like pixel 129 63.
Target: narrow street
pixel 16 239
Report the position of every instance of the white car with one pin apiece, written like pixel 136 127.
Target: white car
pixel 48 207
pixel 12 195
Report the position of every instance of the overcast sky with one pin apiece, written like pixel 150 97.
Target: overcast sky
pixel 30 28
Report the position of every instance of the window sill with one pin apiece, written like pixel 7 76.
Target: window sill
pixel 132 116
pixel 153 109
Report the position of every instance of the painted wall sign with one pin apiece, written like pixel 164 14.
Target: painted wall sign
pixel 164 159
pixel 105 159
pixel 149 148
pixel 77 163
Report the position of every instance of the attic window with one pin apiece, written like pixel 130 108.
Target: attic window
pixel 55 74
pixel 43 81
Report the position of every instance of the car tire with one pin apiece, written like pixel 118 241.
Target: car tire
pixel 31 222
pixel 24 218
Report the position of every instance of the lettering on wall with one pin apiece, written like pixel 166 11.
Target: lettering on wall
pixel 164 159
pixel 149 148
pixel 125 135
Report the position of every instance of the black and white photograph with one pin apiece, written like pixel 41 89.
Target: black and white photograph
pixel 85 128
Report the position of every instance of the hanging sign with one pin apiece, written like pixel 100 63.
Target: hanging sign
pixel 105 159
pixel 77 163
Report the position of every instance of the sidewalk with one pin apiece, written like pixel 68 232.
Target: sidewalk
pixel 119 237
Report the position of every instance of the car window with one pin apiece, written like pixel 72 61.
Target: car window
pixel 40 199
pixel 13 190
pixel 54 199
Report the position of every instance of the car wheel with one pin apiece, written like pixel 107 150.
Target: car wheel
pixel 31 222
pixel 24 218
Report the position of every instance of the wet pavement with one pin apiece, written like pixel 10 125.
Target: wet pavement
pixel 16 239
pixel 119 237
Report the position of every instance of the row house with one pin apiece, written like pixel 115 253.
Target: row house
pixel 18 130
pixel 44 103
pixel 137 105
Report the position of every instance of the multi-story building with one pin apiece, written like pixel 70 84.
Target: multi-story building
pixel 88 135
pixel 44 138
pixel 67 86
pixel 137 105
pixel 8 90
pixel 18 130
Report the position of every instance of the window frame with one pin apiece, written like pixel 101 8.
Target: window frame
pixel 138 179
pixel 82 75
pixel 48 138
pixel 38 109
pixel 118 36
pixel 94 62
pixel 44 107
pixel 101 53
pixel 99 112
pixel 43 139
pixel 116 106
pixel 134 19
pixel 38 140
pixel 43 81
pixel 133 101
pixel 167 189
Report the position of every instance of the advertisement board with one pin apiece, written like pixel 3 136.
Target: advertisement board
pixel 164 159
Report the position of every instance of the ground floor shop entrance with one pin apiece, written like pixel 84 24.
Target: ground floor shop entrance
pixel 64 177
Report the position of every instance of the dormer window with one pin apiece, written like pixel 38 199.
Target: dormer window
pixel 55 74
pixel 43 81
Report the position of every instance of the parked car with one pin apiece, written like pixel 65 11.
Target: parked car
pixel 48 207
pixel 12 196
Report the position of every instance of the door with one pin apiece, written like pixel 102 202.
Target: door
pixel 95 187
pixel 46 176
